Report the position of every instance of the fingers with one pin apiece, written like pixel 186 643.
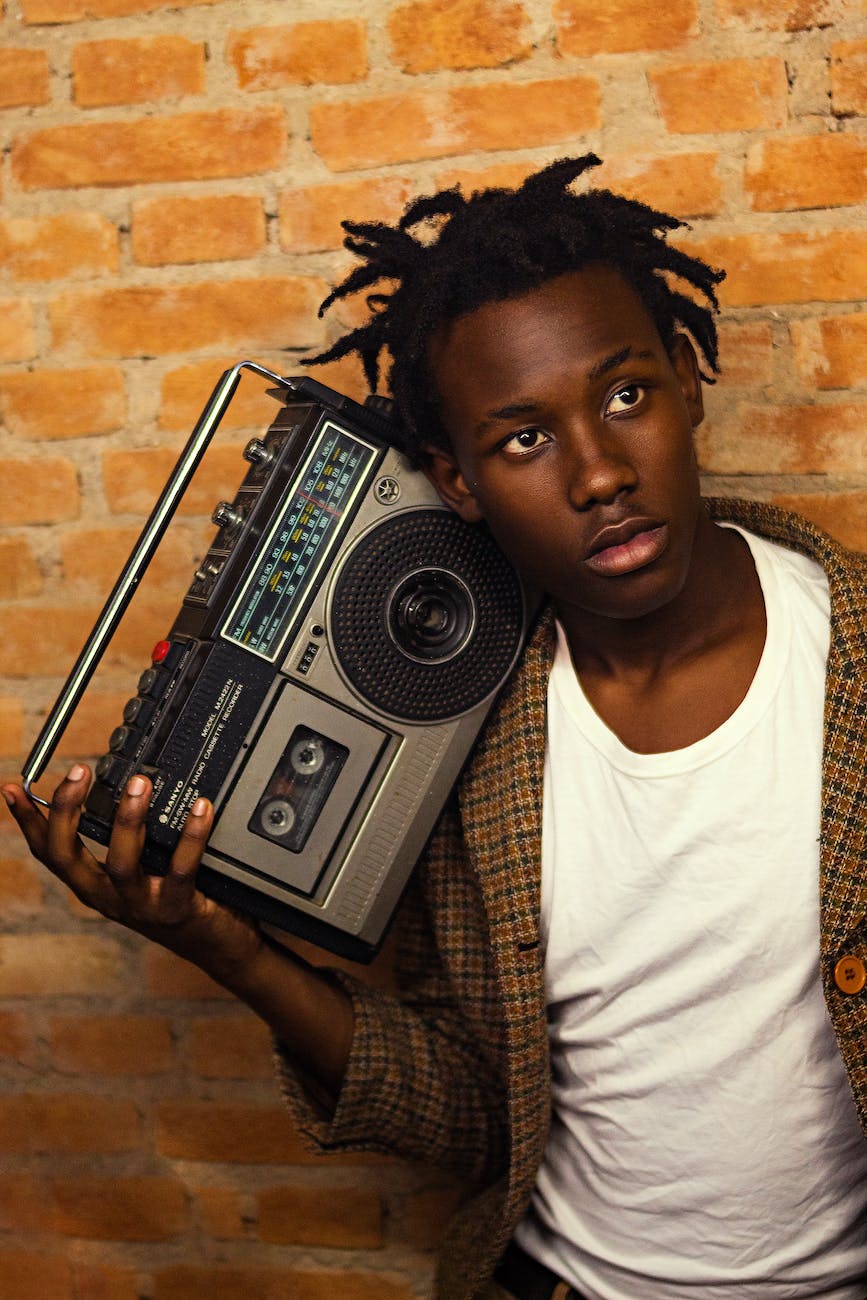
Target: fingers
pixel 62 844
pixel 123 860
pixel 178 886
pixel 120 888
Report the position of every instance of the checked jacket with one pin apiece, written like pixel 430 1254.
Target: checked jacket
pixel 453 1070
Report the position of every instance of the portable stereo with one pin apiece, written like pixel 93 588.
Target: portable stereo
pixel 326 675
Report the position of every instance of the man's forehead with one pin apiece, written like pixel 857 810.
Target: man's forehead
pixel 594 310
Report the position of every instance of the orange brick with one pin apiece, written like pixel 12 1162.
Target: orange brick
pixel 746 352
pixel 17 332
pixel 101 1282
pixel 221 1212
pixel 789 440
pixel 136 70
pixel 68 1123
pixel 204 228
pixel 133 479
pixel 785 15
pixel 471 180
pixel 22 1203
pixel 686 184
pixel 58 965
pixel 45 404
pixel 849 77
pixel 21 888
pixel 151 320
pixel 831 352
pixel 346 1218
pixel 19 570
pixel 310 218
pixel 457 34
pixel 92 558
pixel 396 128
pixel 48 499
pixel 16 1038
pixel 11 727
pixel 220 1131
pixel 735 95
pixel 110 1045
pixel 185 392
pixel 585 27
pixel 35 1274
pixel 842 514
pixel 47 248
pixel 816 171
pixel 807 266
pixel 168 976
pixel 24 77
pixel 230 1048
pixel 74 11
pixel 306 54
pixel 189 1282
pixel 120 1209
pixel 191 146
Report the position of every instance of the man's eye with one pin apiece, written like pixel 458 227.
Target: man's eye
pixel 624 399
pixel 526 440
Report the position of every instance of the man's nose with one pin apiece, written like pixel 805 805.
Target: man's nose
pixel 599 470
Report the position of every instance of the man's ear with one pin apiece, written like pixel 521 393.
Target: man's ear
pixel 686 368
pixel 443 470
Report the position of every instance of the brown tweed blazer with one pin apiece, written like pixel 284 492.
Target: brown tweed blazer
pixel 456 1071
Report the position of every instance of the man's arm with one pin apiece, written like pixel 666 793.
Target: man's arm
pixel 308 1011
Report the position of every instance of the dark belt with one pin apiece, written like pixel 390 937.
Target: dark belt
pixel 527 1279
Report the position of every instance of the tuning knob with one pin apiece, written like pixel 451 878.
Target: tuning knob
pixel 225 516
pixel 257 453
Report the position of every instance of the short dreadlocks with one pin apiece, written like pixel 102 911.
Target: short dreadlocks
pixel 499 244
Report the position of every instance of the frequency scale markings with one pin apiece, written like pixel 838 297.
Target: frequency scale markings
pixel 294 551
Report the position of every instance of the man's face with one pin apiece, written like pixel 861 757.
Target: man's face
pixel 572 437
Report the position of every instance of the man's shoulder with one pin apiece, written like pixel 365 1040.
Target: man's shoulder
pixel 846 570
pixel 789 529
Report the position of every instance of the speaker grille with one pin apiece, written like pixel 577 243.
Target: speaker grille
pixel 378 669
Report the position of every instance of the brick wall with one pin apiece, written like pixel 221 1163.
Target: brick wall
pixel 172 180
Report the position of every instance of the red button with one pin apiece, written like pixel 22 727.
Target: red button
pixel 850 974
pixel 160 651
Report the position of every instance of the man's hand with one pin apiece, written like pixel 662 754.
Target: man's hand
pixel 305 1007
pixel 168 909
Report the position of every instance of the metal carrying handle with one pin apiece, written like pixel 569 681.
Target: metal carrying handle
pixel 140 557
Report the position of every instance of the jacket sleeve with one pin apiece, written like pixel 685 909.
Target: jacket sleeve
pixel 425 1079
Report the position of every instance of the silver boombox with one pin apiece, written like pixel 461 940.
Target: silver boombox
pixel 327 673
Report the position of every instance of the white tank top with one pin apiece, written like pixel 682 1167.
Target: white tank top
pixel 704 1141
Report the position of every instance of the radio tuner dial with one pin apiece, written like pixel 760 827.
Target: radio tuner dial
pixel 257 453
pixel 226 516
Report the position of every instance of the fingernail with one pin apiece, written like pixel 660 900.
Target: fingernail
pixel 76 773
pixel 136 786
pixel 200 807
pixel 9 798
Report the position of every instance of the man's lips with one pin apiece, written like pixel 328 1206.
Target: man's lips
pixel 623 548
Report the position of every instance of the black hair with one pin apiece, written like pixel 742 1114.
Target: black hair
pixel 449 255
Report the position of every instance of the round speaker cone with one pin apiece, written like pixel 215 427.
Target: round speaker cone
pixel 426 616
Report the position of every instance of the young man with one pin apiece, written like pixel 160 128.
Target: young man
pixel 611 1016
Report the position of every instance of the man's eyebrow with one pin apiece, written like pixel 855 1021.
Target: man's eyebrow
pixel 509 412
pixel 617 358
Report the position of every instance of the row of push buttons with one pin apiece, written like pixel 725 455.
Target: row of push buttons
pixel 115 766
